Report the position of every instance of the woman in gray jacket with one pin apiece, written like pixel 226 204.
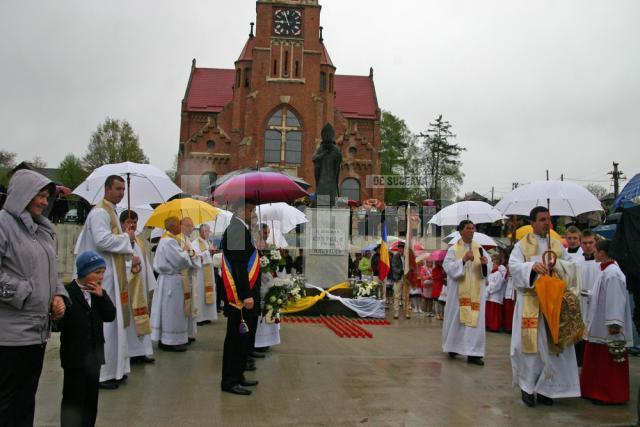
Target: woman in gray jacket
pixel 31 294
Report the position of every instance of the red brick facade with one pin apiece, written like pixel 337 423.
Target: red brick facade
pixel 228 119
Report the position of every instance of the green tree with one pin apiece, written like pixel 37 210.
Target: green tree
pixel 7 162
pixel 113 142
pixel 71 173
pixel 38 162
pixel 441 160
pixel 397 154
pixel 171 173
pixel 7 159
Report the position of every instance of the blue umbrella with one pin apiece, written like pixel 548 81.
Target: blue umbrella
pixel 630 192
pixel 607 231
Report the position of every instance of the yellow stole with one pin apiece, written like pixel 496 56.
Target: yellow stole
pixel 184 273
pixel 139 304
pixel 208 276
pixel 119 262
pixel 470 287
pixel 531 303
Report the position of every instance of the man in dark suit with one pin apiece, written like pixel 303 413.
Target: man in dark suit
pixel 82 341
pixel 241 277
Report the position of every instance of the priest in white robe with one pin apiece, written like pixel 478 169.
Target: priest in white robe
pixel 172 299
pixel 186 229
pixel 103 234
pixel 540 375
pixel 141 283
pixel 466 265
pixel 205 277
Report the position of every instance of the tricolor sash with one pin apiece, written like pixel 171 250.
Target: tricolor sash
pixel 119 262
pixel 253 270
pixel 207 274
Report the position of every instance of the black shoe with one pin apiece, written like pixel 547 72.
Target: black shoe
pixel 108 385
pixel 237 389
pixel 142 359
pixel 452 355
pixel 528 399
pixel 262 349
pixel 249 383
pixel 544 400
pixel 257 355
pixel 173 348
pixel 191 340
pixel 204 322
pixel 250 367
pixel 475 360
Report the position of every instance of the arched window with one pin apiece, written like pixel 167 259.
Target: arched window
pixel 283 138
pixel 323 81
pixel 350 188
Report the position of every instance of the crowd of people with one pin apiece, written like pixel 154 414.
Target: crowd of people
pixel 119 302
pixel 474 290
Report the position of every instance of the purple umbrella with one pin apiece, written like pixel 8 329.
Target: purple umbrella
pixel 259 187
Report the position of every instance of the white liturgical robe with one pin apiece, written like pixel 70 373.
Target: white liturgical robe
pixel 205 311
pixel 96 235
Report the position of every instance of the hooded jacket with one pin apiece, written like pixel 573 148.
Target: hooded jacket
pixel 28 265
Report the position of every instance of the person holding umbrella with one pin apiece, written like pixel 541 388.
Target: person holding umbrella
pixel 531 360
pixel 103 234
pixel 241 276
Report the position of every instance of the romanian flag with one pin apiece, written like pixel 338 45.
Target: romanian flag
pixel 384 264
pixel 253 270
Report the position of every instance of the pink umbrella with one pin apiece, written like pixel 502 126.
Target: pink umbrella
pixel 417 246
pixel 437 255
pixel 259 187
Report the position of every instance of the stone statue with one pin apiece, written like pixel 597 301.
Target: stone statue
pixel 327 161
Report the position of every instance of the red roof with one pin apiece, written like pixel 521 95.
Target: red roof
pixel 324 57
pixel 356 97
pixel 247 51
pixel 210 89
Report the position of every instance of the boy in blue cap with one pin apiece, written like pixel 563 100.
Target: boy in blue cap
pixel 82 341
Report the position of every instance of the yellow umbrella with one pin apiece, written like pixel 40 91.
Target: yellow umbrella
pixel 526 229
pixel 199 212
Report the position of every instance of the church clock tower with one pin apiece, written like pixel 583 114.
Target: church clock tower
pixel 284 89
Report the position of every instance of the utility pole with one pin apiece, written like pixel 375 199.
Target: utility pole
pixel 616 176
pixel 561 177
pixel 492 190
pixel 547 174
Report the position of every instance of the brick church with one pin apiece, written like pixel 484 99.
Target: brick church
pixel 270 108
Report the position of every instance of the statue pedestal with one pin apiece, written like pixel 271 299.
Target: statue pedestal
pixel 326 249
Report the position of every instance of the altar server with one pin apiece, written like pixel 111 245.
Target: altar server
pixel 205 277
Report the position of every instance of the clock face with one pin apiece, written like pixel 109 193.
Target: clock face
pixel 287 22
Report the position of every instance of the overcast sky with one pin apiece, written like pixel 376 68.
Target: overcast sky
pixel 527 85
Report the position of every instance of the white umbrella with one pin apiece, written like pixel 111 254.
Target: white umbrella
pixel 480 238
pixel 565 199
pixel 287 216
pixel 144 212
pixel 221 222
pixel 148 184
pixel 478 212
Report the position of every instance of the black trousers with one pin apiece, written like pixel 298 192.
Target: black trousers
pixel 253 327
pixel 220 291
pixel 20 369
pixel 80 394
pixel 236 348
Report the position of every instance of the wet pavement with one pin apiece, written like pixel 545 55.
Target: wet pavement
pixel 398 378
